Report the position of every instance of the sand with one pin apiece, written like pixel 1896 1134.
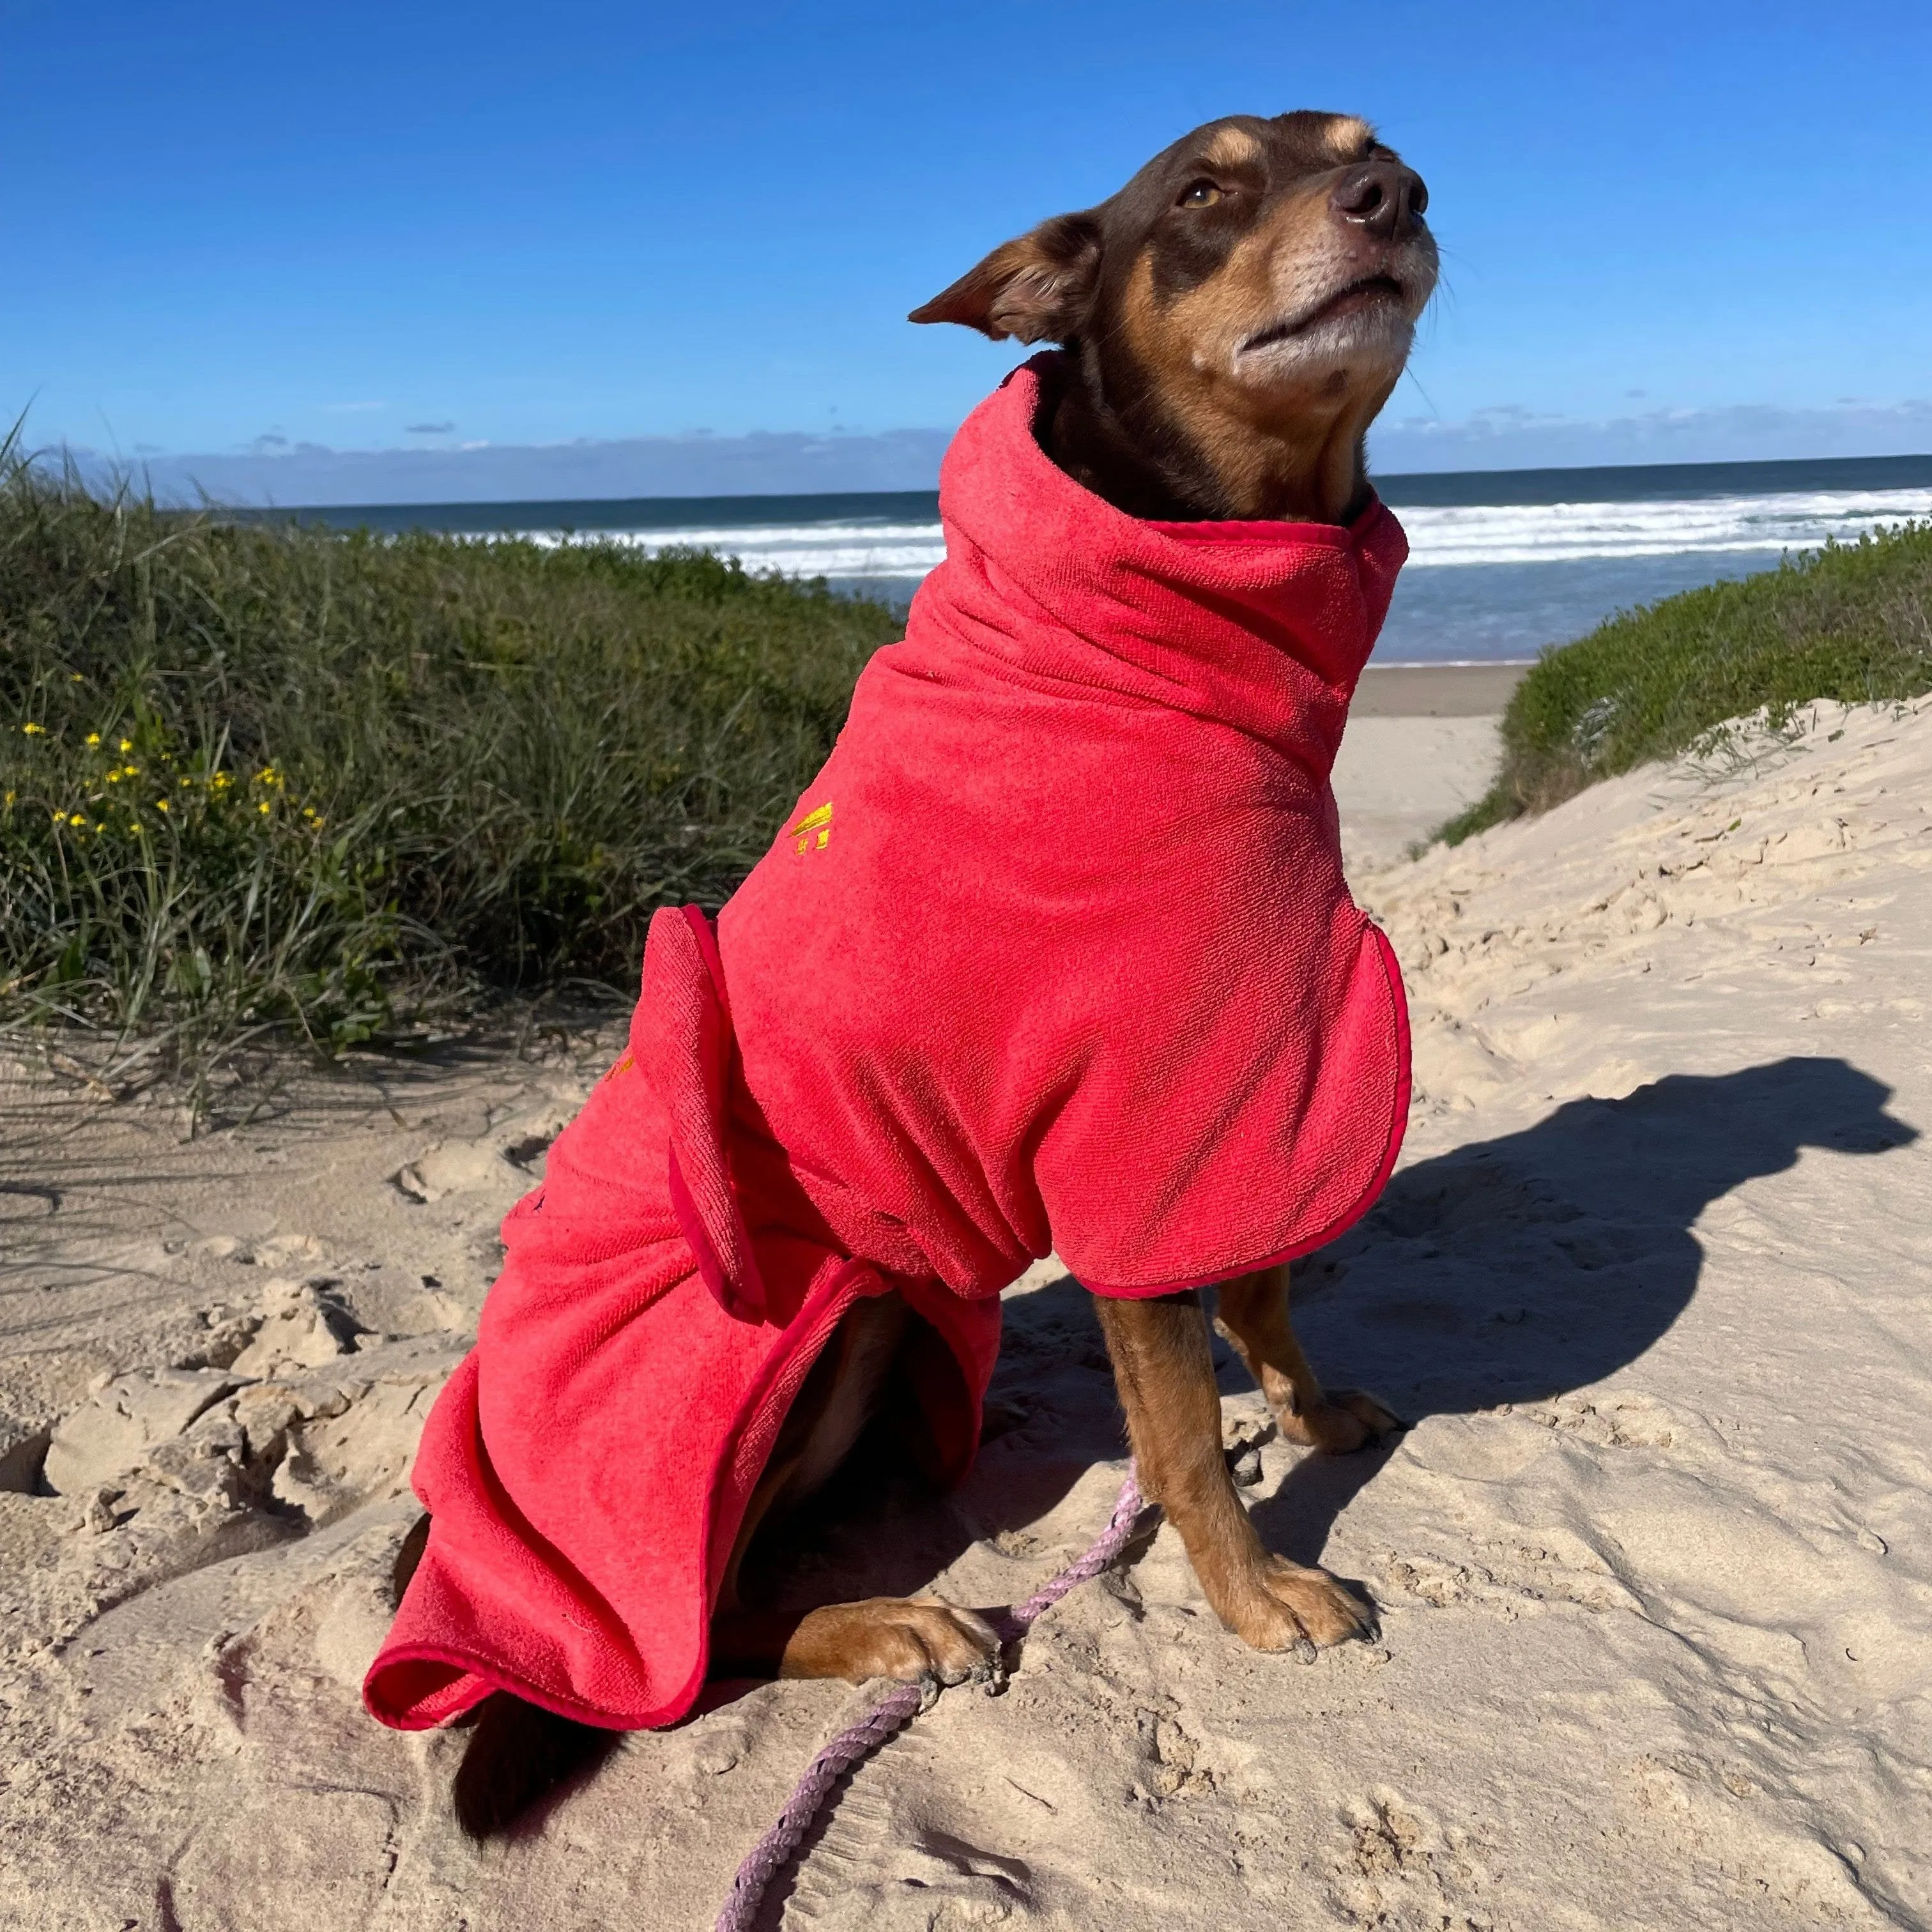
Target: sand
pixel 1654 1563
pixel 1435 691
pixel 1422 743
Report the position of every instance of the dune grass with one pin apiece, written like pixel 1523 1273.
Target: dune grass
pixel 1852 622
pixel 271 779
pixel 260 779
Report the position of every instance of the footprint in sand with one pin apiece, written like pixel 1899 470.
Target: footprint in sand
pixel 512 1154
pixel 453 1167
pixel 899 1856
pixel 1401 1868
pixel 173 1469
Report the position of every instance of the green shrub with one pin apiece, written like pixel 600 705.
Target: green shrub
pixel 266 778
pixel 1852 622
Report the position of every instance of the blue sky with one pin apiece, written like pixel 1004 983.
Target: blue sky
pixel 424 226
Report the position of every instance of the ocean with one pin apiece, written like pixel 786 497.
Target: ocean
pixel 1502 562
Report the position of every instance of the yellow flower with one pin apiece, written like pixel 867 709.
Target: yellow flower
pixel 263 806
pixel 160 804
pixel 75 818
pixel 34 731
pixel 99 826
pixel 94 737
pixel 113 778
pixel 127 744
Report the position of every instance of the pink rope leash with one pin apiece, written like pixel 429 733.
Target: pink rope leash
pixel 851 1747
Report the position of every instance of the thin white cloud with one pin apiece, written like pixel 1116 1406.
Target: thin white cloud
pixel 299 473
pixel 1507 435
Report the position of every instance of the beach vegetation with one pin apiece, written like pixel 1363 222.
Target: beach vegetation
pixel 260 779
pixel 1851 622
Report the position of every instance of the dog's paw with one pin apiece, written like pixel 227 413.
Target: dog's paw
pixel 1347 1419
pixel 903 1637
pixel 1287 1605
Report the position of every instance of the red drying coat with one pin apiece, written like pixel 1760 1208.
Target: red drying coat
pixel 1055 954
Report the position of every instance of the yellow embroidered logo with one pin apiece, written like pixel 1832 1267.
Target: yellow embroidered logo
pixel 818 821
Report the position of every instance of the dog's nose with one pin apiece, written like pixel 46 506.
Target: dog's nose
pixel 1384 196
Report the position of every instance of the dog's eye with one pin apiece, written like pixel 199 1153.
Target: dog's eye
pixel 1201 194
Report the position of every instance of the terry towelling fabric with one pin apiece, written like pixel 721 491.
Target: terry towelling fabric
pixel 1055 954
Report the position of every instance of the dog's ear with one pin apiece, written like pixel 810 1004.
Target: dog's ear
pixel 1039 287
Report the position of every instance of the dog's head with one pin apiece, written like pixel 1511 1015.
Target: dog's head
pixel 1237 315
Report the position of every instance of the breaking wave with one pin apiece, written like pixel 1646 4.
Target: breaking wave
pixel 1439 537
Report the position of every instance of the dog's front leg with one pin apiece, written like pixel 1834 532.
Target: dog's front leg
pixel 1165 1373
pixel 1253 1315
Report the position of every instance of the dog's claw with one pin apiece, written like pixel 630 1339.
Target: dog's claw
pixel 1376 1416
pixel 1343 1421
pixel 1290 1608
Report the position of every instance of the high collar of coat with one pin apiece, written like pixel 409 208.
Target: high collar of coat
pixel 1263 627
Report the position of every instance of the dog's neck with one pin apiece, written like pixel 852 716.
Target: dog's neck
pixel 1131 452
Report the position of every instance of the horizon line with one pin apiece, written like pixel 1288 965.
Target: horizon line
pixel 1397 476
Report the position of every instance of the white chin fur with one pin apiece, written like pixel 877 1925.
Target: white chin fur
pixel 1378 338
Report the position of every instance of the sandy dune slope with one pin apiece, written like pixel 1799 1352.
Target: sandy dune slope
pixel 1397 779
pixel 1654 1281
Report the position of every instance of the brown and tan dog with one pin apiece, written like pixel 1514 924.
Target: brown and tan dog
pixel 1233 319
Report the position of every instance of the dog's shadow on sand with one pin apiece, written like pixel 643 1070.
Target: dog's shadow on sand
pixel 1518 1269
pixel 1512 1269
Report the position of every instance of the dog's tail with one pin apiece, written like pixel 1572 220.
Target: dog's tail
pixel 517 1754
pixel 407 1558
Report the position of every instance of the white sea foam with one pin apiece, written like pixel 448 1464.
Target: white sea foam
pixel 907 550
pixel 1569 532
pixel 1438 537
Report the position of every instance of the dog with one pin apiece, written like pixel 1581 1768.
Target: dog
pixel 1230 323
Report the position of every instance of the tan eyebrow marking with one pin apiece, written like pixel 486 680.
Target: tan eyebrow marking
pixel 1231 148
pixel 1350 140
